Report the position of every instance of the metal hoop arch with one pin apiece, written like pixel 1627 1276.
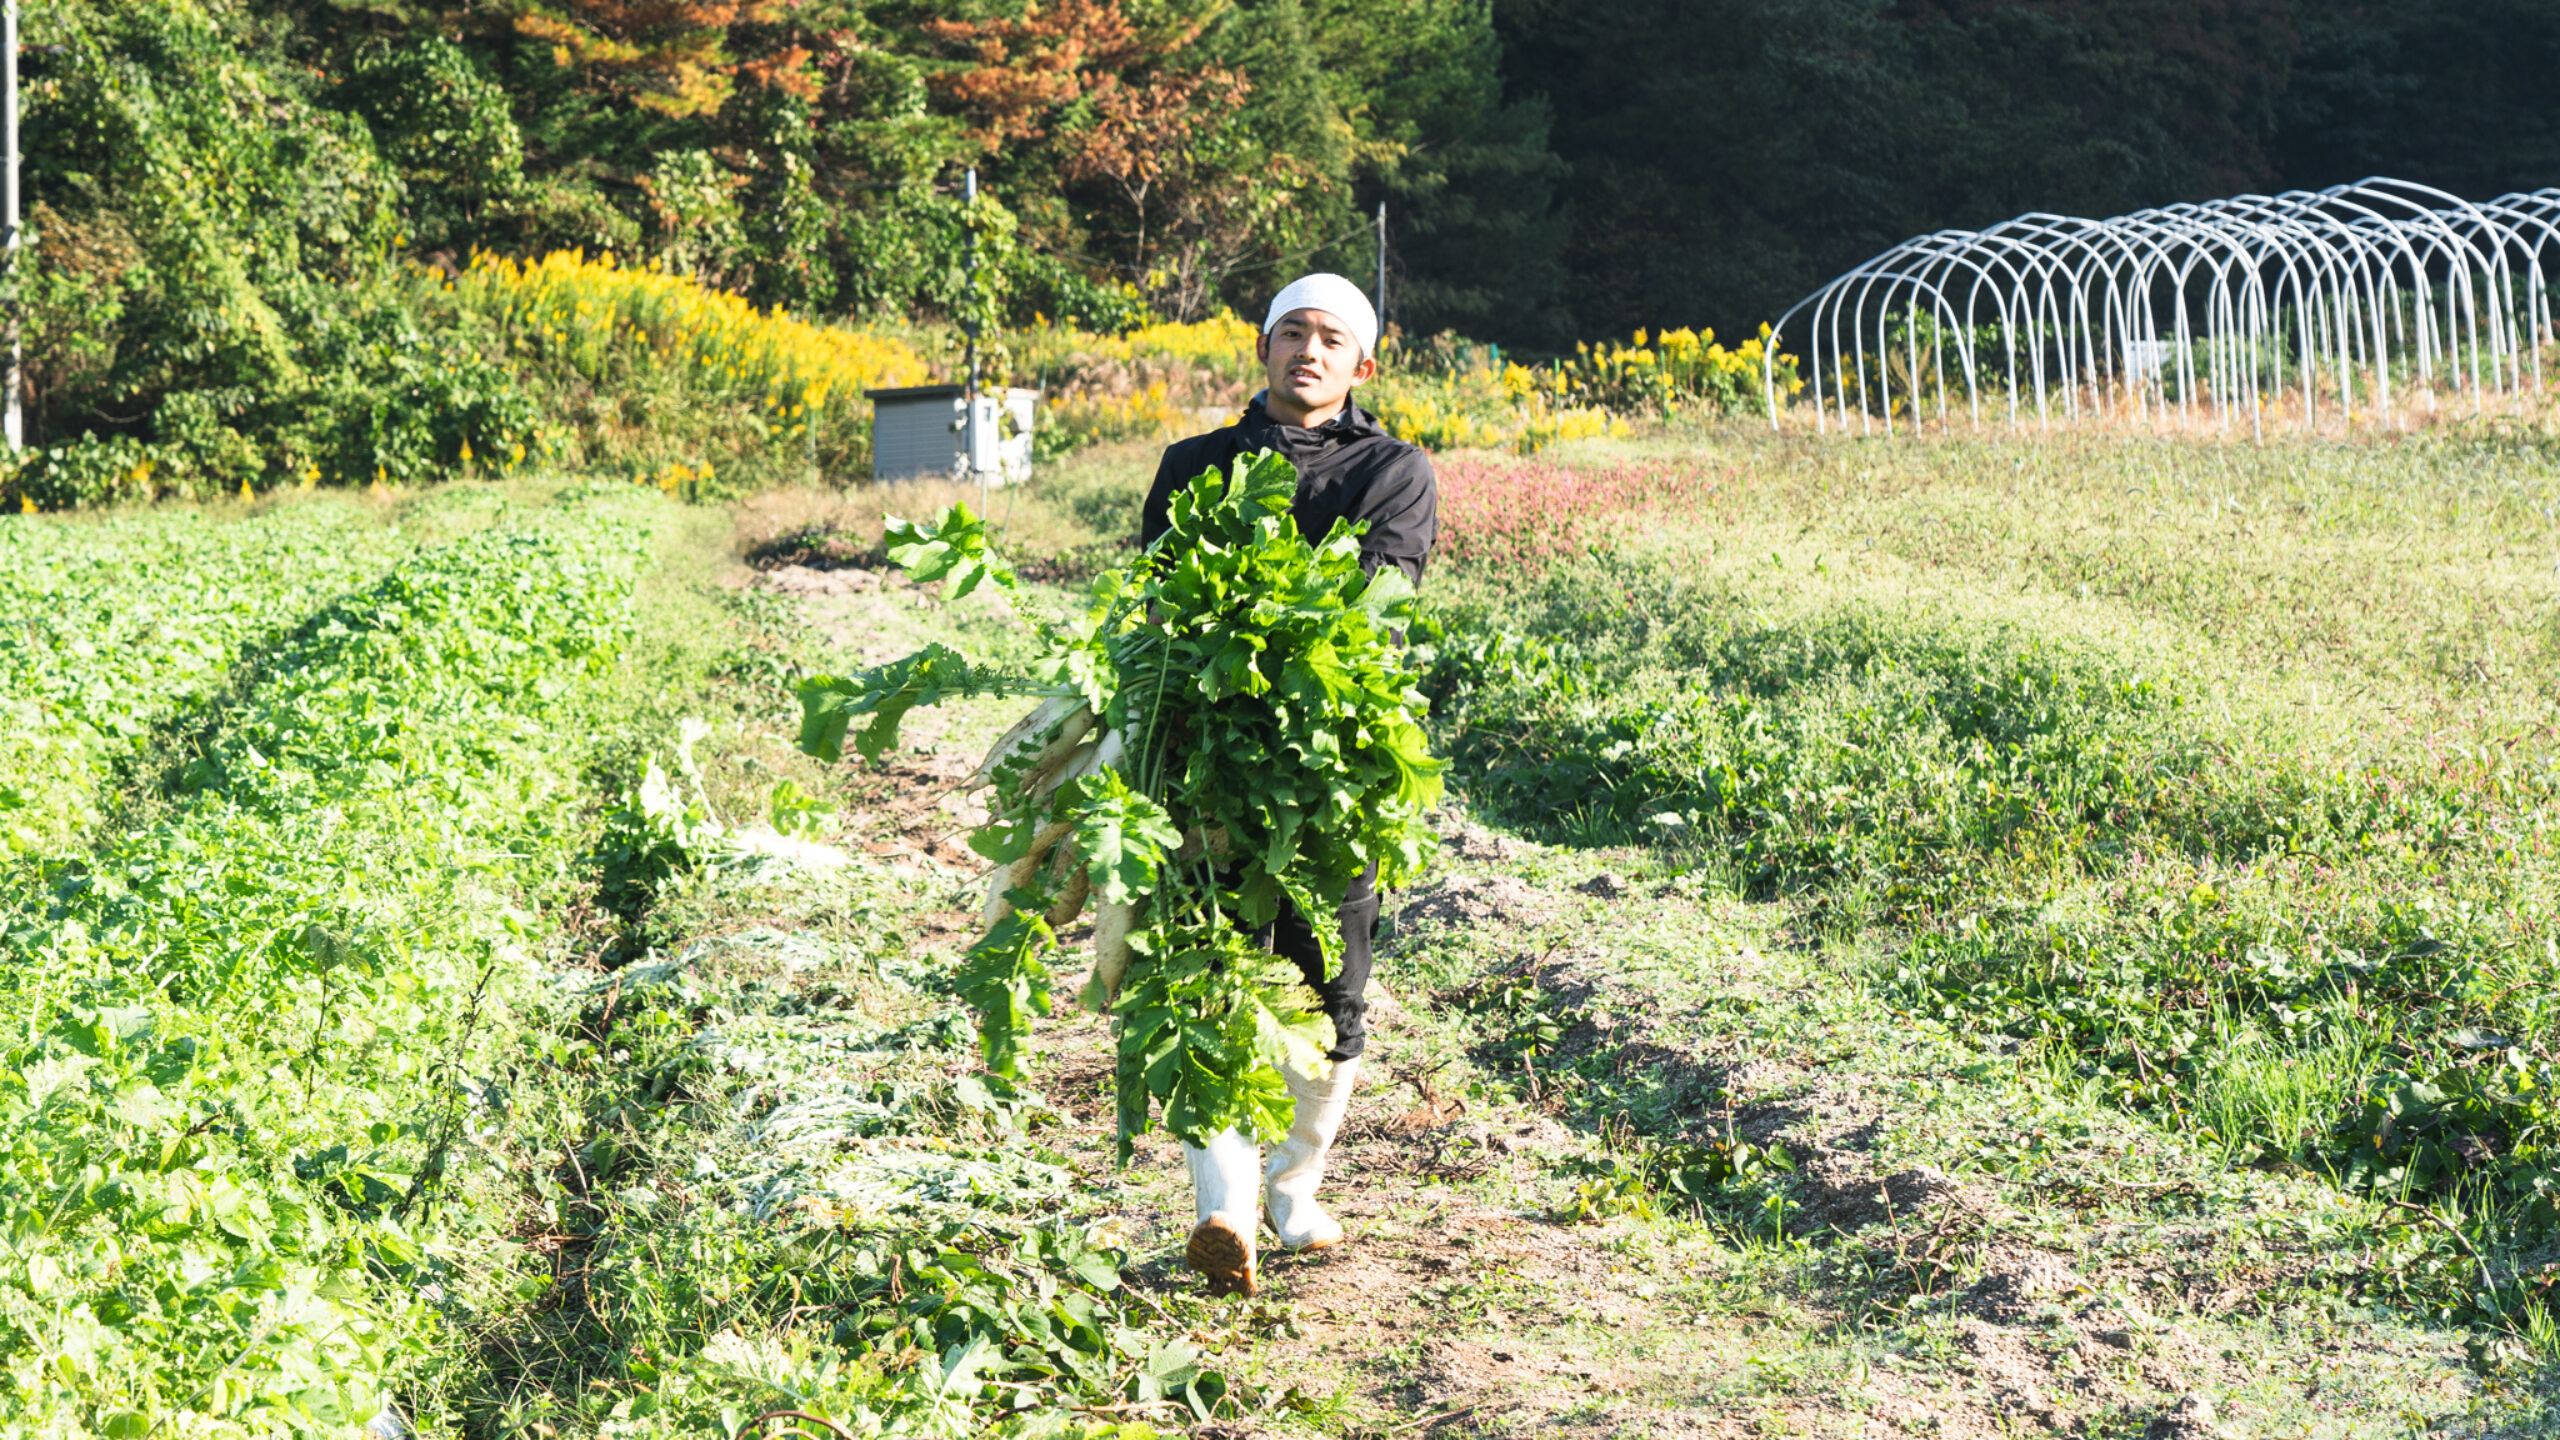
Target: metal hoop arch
pixel 2369 297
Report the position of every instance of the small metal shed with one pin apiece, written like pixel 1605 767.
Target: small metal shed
pixel 920 432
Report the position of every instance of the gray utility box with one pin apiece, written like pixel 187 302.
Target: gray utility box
pixel 920 432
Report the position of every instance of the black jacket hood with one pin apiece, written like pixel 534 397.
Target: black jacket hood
pixel 1349 468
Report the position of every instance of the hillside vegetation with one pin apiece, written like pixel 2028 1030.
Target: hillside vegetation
pixel 243 214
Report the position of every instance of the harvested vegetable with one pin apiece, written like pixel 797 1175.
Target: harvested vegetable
pixel 1228 726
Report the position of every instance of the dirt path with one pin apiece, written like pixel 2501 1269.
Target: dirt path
pixel 1450 1308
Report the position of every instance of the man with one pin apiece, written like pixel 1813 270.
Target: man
pixel 1319 343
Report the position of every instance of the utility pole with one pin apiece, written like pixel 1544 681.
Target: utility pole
pixel 970 440
pixel 1382 269
pixel 16 421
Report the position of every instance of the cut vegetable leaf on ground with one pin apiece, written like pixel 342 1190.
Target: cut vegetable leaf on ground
pixel 953 546
pixel 1229 729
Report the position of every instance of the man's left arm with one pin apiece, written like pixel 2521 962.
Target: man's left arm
pixel 1402 508
pixel 1156 515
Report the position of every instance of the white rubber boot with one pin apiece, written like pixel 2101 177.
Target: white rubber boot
pixel 1223 1176
pixel 1297 1163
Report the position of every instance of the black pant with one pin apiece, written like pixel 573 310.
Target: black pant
pixel 1344 996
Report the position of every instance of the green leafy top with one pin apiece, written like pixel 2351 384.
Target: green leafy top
pixel 1266 747
pixel 1275 706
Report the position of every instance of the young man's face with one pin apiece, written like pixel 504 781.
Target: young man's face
pixel 1311 360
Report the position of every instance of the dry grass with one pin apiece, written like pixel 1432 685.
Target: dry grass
pixel 1069 514
pixel 2390 594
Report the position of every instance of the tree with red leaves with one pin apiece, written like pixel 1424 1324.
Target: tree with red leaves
pixel 666 56
pixel 1168 176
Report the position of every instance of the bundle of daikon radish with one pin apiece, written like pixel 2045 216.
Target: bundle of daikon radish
pixel 1059 742
pixel 1226 728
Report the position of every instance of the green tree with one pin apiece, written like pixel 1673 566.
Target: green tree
pixel 2461 94
pixel 445 127
pixel 201 200
pixel 213 295
pixel 1475 235
pixel 1183 148
pixel 1726 156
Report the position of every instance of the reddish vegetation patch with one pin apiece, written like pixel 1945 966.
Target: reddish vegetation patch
pixel 1530 514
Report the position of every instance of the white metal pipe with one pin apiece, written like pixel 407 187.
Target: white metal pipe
pixel 2225 303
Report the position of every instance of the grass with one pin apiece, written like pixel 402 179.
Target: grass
pixel 2077 849
pixel 1690 1020
pixel 2224 775
pixel 2262 1098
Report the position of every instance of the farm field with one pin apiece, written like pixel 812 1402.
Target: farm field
pixel 1929 939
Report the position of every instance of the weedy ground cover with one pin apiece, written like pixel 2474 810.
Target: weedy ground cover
pixel 1521 518
pixel 1648 1149
pixel 2221 777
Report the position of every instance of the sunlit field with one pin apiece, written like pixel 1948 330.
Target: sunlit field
pixel 2071 914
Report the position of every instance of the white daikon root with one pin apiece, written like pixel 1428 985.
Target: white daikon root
pixel 1019 873
pixel 1096 753
pixel 1068 712
pixel 1112 925
pixel 1075 885
pixel 1102 755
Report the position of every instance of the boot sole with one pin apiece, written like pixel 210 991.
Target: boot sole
pixel 1222 1257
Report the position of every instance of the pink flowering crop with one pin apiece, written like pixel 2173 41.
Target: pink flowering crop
pixel 1527 515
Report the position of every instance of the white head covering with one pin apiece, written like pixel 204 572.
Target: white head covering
pixel 1334 296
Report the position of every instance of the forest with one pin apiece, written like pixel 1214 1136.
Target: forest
pixel 231 202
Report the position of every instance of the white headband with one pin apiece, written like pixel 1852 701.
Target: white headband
pixel 1334 296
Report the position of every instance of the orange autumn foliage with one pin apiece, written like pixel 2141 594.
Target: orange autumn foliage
pixel 669 56
pixel 1055 54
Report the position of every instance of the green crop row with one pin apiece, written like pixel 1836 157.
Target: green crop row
pixel 109 629
pixel 240 1036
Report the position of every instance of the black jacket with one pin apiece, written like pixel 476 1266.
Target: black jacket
pixel 1348 469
